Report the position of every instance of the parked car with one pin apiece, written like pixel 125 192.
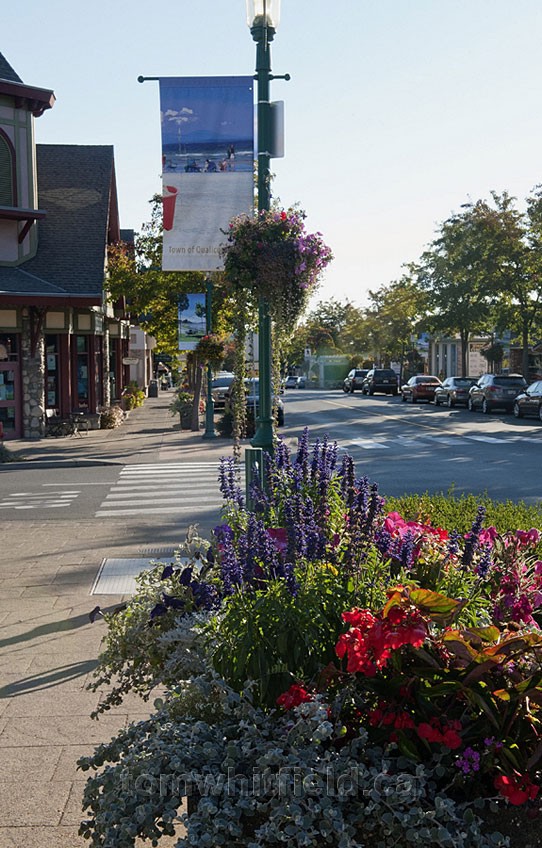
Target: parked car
pixel 380 380
pixel 252 392
pixel 219 388
pixel 454 391
pixel 354 379
pixel 529 402
pixel 253 400
pixel 301 382
pixel 292 382
pixel 420 387
pixel 496 391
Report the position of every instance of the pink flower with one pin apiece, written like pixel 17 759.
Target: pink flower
pixel 279 537
pixel 488 535
pixel 528 537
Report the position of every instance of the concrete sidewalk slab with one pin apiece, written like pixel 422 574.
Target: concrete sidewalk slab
pixel 48 647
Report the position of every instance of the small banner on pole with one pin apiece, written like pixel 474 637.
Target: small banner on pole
pixel 192 319
pixel 207 166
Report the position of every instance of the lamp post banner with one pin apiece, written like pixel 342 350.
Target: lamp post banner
pixel 207 166
pixel 192 319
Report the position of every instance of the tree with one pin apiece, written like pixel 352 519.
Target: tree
pixel 457 272
pixel 394 316
pixel 512 256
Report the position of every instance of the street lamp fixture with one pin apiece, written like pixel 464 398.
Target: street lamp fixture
pixel 263 18
pixel 263 13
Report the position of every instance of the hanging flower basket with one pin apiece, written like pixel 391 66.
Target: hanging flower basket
pixel 210 350
pixel 272 256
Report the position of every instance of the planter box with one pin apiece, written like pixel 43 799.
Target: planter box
pixel 93 419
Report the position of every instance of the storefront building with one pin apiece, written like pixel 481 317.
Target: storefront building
pixel 62 343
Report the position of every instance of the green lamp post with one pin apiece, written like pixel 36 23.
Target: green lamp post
pixel 210 432
pixel 263 19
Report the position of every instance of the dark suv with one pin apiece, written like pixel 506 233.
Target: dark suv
pixel 380 380
pixel 354 379
pixel 496 391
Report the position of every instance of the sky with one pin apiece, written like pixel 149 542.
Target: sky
pixel 397 111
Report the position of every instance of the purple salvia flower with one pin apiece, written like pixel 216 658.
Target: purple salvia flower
pixel 347 475
pixel 485 562
pixel 301 461
pixel 229 482
pixel 229 565
pixel 453 543
pixel 282 455
pixel 286 572
pixel 473 538
pixel 383 541
pixel 407 550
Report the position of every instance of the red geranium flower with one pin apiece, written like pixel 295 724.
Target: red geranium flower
pixel 295 696
pixel 518 789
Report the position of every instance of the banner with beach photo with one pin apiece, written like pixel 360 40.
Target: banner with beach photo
pixel 192 319
pixel 207 165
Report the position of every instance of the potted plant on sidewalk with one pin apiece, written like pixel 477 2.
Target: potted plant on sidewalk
pixel 182 405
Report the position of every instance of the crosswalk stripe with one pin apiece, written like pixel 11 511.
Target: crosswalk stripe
pixel 145 489
pixel 368 444
pixel 163 510
pixel 489 439
pixel 114 500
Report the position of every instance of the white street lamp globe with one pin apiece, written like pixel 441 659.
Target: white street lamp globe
pixel 263 13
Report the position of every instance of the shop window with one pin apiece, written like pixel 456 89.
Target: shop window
pixel 52 372
pixel 82 372
pixel 7 172
pixel 9 347
pixel 98 369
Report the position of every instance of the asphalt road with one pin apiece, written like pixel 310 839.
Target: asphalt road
pixel 409 448
pixel 404 448
pixel 165 497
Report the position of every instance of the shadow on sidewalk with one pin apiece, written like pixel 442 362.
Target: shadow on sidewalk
pixel 45 680
pixel 51 627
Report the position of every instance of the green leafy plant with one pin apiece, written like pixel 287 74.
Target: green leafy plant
pixel 255 779
pixel 153 639
pixel 132 396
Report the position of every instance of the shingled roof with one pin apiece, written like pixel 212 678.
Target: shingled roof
pixel 7 72
pixel 77 190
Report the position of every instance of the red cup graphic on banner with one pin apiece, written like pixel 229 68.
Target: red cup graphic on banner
pixel 168 202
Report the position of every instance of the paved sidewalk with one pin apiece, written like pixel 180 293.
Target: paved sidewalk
pixel 48 647
pixel 149 432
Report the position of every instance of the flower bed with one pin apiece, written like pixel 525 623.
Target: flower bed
pixel 338 674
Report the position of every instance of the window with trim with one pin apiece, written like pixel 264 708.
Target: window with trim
pixel 7 171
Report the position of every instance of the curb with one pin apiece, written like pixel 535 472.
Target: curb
pixel 56 463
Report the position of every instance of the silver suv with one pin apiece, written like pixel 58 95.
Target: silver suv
pixel 354 379
pixel 495 391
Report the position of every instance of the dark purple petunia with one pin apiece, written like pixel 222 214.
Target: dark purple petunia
pixel 205 595
pixel 157 611
pixel 186 576
pixel 167 572
pixel 171 602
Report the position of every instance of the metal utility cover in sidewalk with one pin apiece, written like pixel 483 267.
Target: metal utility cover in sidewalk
pixel 116 576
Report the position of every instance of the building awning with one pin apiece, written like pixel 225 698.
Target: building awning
pixel 35 100
pixel 51 300
pixel 15 213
